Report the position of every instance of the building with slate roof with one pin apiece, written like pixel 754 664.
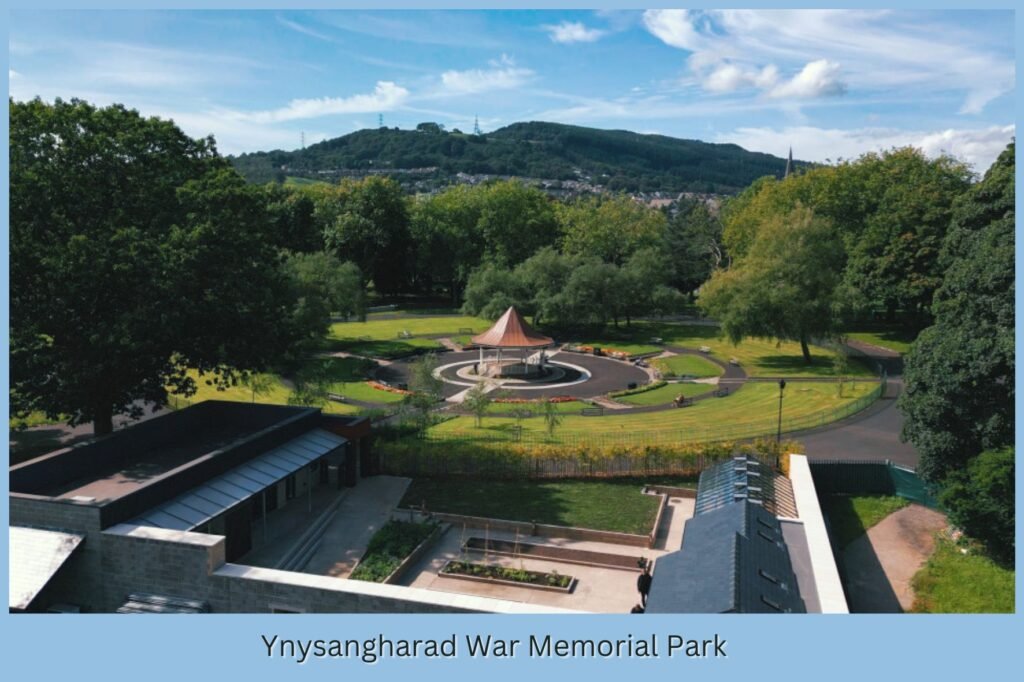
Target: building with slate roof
pixel 750 547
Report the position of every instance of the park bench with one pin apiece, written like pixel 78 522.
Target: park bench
pixel 366 338
pixel 337 397
pixel 705 349
pixel 734 361
pixel 656 340
pixel 722 392
pixel 682 401
pixel 463 331
pixel 404 334
pixel 592 412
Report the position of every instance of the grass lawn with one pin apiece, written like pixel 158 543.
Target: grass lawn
pixel 572 407
pixel 607 504
pixel 898 340
pixel 610 342
pixel 388 349
pixel 278 395
pixel 388 330
pixel 850 516
pixel 349 378
pixel 954 582
pixel 687 365
pixel 760 357
pixel 33 419
pixel 750 411
pixel 665 394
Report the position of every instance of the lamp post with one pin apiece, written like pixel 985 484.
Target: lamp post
pixel 778 435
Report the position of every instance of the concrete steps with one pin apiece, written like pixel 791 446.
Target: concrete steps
pixel 296 558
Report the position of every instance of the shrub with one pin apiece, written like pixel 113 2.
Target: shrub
pixel 980 500
pixel 639 389
pixel 389 547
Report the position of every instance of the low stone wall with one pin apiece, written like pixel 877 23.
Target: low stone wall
pixel 544 530
pixel 416 554
pixel 672 491
pixel 191 565
pixel 528 550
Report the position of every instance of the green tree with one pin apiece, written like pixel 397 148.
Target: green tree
pixel 894 255
pixel 786 286
pixel 367 222
pixel 959 374
pixel 492 289
pixel 552 418
pixel 312 385
pixel 611 227
pixel 446 238
pixel 694 246
pixel 427 390
pixel 259 383
pixel 135 253
pixel 515 221
pixel 478 400
pixel 979 499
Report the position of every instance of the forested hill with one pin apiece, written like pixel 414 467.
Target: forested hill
pixel 616 160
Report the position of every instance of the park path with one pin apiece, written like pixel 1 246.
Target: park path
pixel 880 564
pixel 366 508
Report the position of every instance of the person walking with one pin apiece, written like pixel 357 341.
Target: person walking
pixel 643 583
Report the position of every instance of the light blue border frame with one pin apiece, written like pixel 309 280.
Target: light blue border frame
pixel 760 647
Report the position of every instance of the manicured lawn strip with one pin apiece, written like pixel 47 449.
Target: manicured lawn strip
pixel 760 357
pixel 389 329
pixel 666 394
pixel 278 395
pixel 537 409
pixel 382 348
pixel 688 365
pixel 388 547
pixel 895 340
pixel 954 582
pixel 751 411
pixel 349 376
pixel 610 343
pixel 850 516
pixel 607 504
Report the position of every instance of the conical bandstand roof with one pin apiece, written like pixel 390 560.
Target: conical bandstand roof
pixel 511 331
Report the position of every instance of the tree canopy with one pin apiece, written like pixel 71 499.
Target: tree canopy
pixel 959 397
pixel 128 243
pixel 785 286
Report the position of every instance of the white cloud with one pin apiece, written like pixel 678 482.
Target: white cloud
pixel 978 146
pixel 503 75
pixel 819 78
pixel 573 32
pixel 880 50
pixel 727 77
pixel 676 27
pixel 385 97
pixel 305 30
pixel 12 74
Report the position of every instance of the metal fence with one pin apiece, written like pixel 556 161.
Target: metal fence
pixel 879 477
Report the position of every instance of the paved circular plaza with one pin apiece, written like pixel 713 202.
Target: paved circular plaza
pixel 574 374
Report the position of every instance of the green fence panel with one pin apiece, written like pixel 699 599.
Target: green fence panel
pixel 908 484
pixel 880 477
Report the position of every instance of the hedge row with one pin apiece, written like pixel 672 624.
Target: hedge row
pixel 415 457
pixel 639 389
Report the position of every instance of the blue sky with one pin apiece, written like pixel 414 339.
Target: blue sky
pixel 833 84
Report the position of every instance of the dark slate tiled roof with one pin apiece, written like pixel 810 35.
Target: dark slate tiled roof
pixel 158 603
pixel 733 560
pixel 744 478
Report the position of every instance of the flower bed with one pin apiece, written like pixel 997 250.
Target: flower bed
pixel 535 401
pixel 390 389
pixel 506 575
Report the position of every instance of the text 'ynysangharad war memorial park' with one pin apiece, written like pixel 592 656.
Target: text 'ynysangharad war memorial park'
pixel 298 351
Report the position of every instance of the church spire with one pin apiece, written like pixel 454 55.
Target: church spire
pixel 789 164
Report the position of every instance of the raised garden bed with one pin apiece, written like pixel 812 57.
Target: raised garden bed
pixel 391 547
pixel 506 575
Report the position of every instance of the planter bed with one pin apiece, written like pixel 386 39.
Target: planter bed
pixel 567 555
pixel 504 575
